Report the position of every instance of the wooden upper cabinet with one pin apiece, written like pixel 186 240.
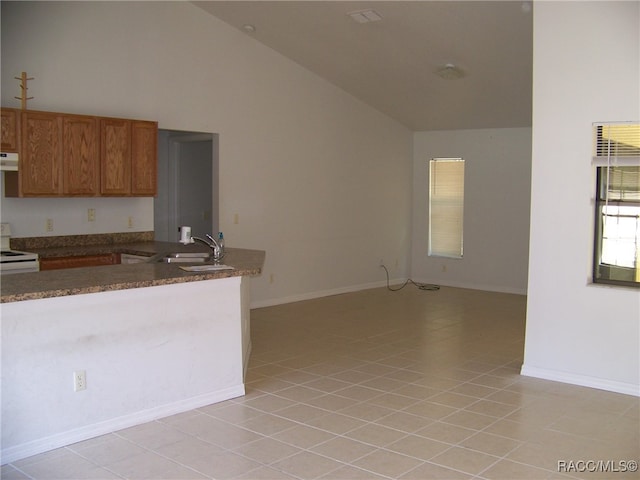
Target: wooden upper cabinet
pixel 144 158
pixel 115 174
pixel 81 156
pixel 40 167
pixel 10 137
pixel 129 157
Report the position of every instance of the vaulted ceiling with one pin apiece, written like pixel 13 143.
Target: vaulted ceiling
pixel 390 63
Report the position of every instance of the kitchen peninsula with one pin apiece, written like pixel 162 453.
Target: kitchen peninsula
pixel 149 339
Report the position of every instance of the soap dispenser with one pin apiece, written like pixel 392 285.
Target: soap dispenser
pixel 221 242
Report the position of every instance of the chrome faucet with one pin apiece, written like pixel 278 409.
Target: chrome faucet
pixel 217 250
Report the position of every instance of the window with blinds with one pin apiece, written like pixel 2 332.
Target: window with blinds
pixel 617 233
pixel 446 207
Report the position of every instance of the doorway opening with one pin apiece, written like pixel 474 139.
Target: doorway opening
pixel 188 187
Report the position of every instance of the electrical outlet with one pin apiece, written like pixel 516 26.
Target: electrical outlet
pixel 236 219
pixel 381 264
pixel 49 225
pixel 79 380
pixel 130 222
pixel 272 278
pixel 91 215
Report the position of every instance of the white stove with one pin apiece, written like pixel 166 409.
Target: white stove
pixel 15 261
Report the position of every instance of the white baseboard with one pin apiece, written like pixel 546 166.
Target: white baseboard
pixel 365 286
pixel 475 286
pixel 319 294
pixel 41 445
pixel 582 380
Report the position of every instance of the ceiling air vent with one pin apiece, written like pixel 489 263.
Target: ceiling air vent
pixel 365 16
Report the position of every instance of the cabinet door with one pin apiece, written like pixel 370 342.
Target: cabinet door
pixel 115 175
pixel 144 157
pixel 81 168
pixel 10 130
pixel 41 155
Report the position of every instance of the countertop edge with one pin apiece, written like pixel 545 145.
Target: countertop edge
pixel 54 293
pixel 85 280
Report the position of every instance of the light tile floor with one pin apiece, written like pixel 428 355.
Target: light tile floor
pixel 376 385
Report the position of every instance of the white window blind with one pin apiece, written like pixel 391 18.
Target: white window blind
pixel 616 143
pixel 446 207
pixel 623 184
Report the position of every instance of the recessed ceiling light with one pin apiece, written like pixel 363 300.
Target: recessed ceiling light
pixel 365 16
pixel 247 27
pixel 450 72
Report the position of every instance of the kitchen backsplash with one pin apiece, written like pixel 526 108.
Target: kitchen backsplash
pixel 27 243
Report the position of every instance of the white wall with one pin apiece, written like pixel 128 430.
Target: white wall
pixel 28 216
pixel 586 70
pixel 496 208
pixel 318 179
pixel 145 355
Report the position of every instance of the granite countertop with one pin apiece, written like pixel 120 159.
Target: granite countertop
pixel 76 281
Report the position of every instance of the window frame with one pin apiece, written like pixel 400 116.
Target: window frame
pixel 616 147
pixel 599 267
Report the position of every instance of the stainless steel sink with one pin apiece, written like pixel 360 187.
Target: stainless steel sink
pixel 184 257
pixel 189 255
